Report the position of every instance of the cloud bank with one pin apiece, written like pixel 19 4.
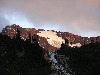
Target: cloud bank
pixel 81 17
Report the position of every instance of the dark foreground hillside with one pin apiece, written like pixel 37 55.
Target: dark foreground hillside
pixel 18 57
pixel 84 60
pixel 26 57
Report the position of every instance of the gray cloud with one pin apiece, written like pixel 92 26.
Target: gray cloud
pixel 3 21
pixel 80 17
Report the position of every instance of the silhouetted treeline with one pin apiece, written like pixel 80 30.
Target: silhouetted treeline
pixel 19 57
pixel 84 60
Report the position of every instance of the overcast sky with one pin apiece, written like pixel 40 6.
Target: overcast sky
pixel 81 17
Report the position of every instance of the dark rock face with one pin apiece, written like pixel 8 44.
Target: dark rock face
pixel 11 31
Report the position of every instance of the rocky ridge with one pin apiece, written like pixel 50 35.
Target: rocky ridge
pixel 11 31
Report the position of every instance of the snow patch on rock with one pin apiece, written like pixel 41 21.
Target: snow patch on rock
pixel 52 38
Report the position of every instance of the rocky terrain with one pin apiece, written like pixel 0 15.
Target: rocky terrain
pixel 49 42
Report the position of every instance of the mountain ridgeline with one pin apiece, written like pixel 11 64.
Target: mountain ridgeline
pixel 44 43
pixel 23 52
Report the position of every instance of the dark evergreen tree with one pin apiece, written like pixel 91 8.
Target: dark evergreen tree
pixel 30 38
pixel 84 42
pixel 18 35
pixel 71 42
pixel 21 57
pixel 66 41
pixel 84 60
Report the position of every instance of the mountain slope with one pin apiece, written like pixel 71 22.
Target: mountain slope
pixel 50 40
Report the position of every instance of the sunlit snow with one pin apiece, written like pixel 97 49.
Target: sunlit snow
pixel 52 38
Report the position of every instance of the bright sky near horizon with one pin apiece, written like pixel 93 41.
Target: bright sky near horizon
pixel 81 17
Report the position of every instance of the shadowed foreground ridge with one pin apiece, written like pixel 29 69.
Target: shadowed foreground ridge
pixel 84 60
pixel 26 57
pixel 19 57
